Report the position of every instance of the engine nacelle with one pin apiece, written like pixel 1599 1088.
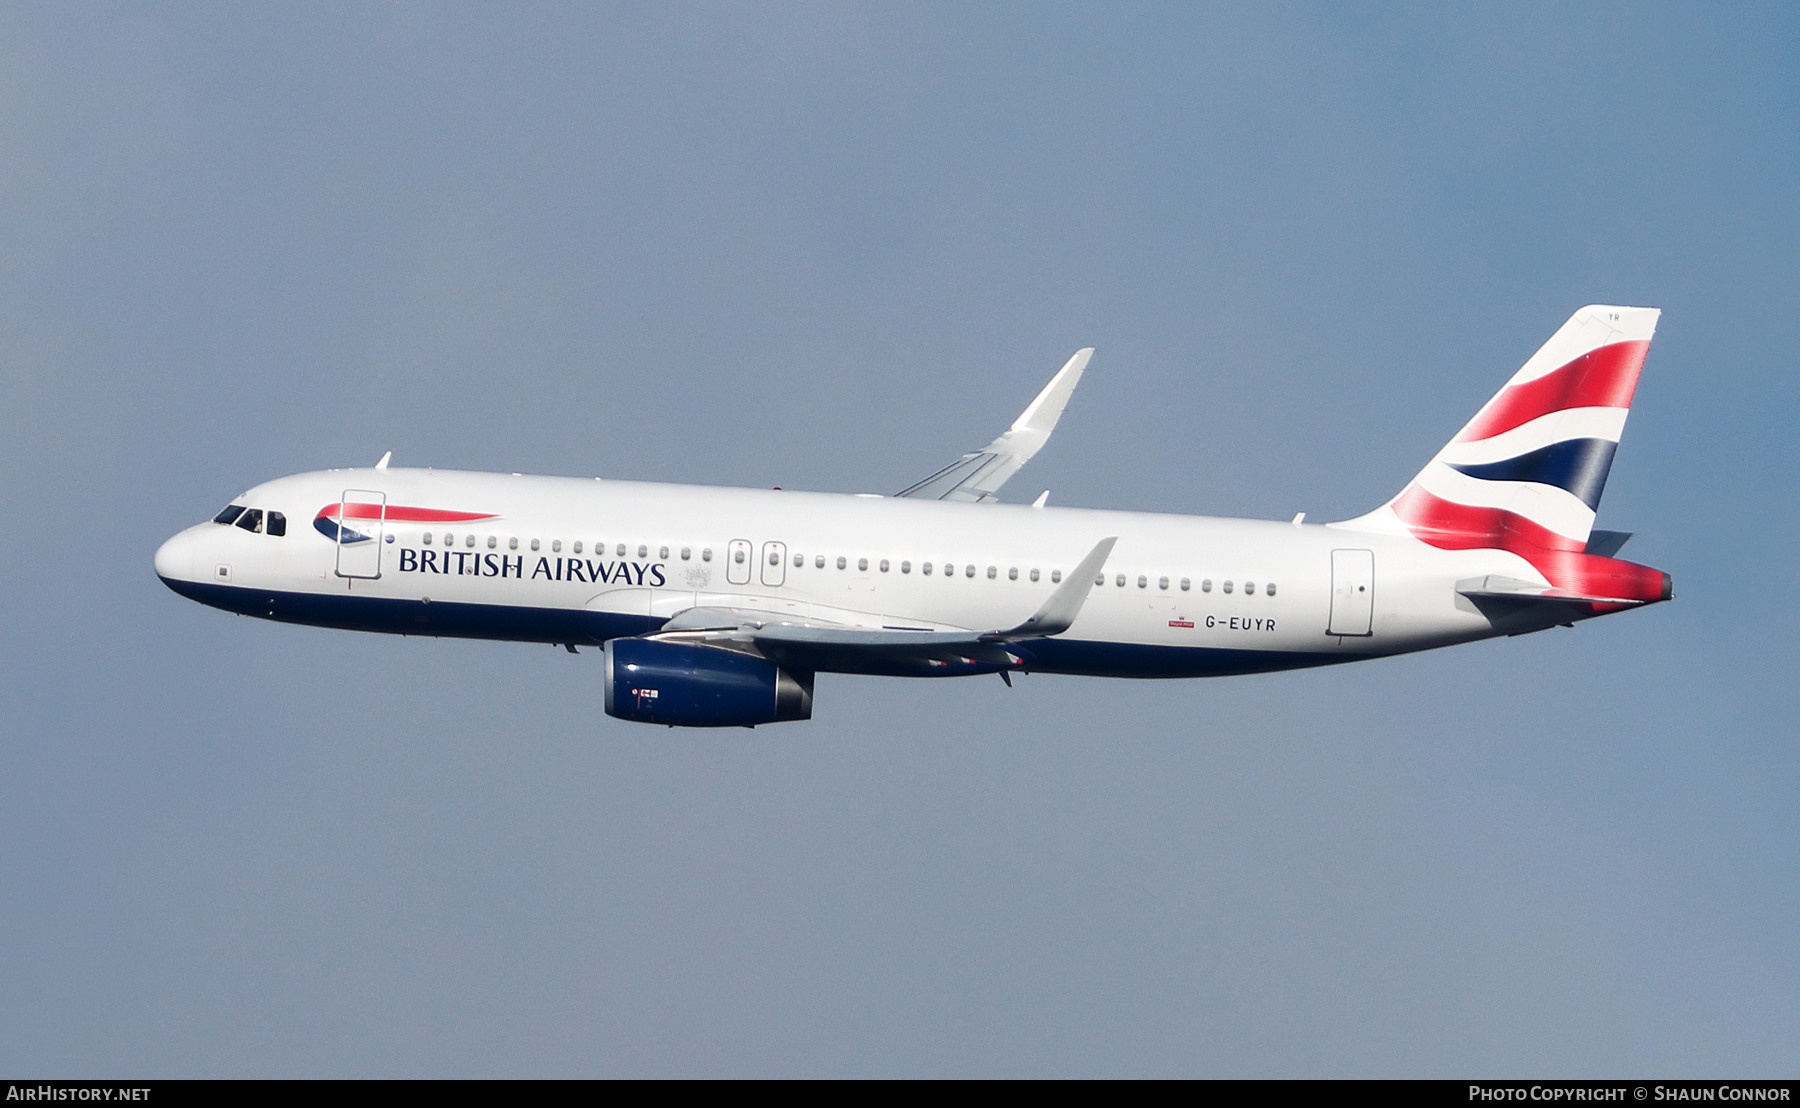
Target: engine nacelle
pixel 685 685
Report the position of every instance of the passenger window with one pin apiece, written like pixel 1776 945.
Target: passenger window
pixel 469 541
pixel 905 567
pixel 686 553
pixel 534 542
pixel 862 565
pixel 1162 583
pixel 738 557
pixel 1249 588
pixel 1184 584
pixel 1226 587
pixel 925 568
pixel 493 541
pixel 251 520
pixel 841 562
pixel 1206 584
pixel 706 554
pixel 1034 575
pixel 992 572
pixel 662 552
pixel 1055 576
pixel 818 561
pixel 884 565
pixel 799 560
pixel 1099 578
pixel 229 514
pixel 1269 589
pixel 575 547
pixel 1012 574
pixel 427 539
pixel 1120 581
pixel 1143 582
pixel 511 544
pixel 556 546
pixel 644 551
pixel 620 552
pixel 277 524
pixel 774 557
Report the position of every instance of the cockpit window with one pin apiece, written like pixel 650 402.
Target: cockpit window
pixel 230 514
pixel 251 520
pixel 277 524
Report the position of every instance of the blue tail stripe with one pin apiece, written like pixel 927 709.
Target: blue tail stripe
pixel 1578 466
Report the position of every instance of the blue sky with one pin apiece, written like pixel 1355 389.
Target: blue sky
pixel 832 247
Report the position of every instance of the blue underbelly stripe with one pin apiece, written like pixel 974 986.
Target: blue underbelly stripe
pixel 573 625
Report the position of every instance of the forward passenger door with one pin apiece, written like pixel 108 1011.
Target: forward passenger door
pixel 362 518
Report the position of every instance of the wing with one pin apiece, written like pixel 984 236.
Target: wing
pixel 978 476
pixel 879 645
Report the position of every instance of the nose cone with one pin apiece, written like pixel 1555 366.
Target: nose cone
pixel 175 558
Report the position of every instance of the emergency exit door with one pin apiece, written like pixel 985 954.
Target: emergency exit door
pixel 738 554
pixel 774 564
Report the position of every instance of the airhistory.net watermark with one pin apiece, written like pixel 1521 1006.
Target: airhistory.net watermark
pixel 48 1093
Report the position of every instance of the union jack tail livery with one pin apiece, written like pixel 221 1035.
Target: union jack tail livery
pixel 1525 475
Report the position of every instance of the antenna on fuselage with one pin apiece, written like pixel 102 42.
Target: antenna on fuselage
pixel 382 464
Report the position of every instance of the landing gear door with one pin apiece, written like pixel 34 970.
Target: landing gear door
pixel 361 527
pixel 1352 592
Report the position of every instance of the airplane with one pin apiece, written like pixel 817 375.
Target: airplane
pixel 718 606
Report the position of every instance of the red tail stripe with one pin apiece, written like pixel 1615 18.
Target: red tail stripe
pixel 1592 575
pixel 399 512
pixel 1562 561
pixel 1451 526
pixel 1603 378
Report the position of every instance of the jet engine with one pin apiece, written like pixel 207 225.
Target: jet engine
pixel 687 685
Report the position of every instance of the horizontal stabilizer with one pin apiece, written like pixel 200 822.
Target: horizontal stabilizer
pixel 1607 544
pixel 1508 588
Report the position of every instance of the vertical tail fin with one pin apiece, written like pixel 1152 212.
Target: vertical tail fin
pixel 1530 467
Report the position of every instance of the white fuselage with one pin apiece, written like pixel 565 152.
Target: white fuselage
pixel 578 561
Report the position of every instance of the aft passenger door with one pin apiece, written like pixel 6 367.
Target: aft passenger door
pixel 1352 592
pixel 362 517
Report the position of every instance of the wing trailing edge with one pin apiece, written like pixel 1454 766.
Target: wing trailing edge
pixel 831 645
